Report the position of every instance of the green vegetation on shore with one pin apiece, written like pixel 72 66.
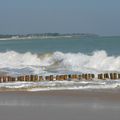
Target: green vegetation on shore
pixel 43 35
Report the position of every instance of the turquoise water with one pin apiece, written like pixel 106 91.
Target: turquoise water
pixel 83 45
pixel 60 55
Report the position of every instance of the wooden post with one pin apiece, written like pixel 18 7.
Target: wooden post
pixel 13 79
pixel 65 77
pixel 113 76
pixel 106 76
pixel 69 77
pixel 76 76
pixel 47 78
pixel 22 78
pixel 31 78
pixel 93 76
pixel 27 78
pixel 41 78
pixel 80 77
pixel 83 76
pixel 86 76
pixel 35 78
pixel 4 79
pixel 1 79
pixel 61 77
pixel 9 79
pixel 73 77
pixel 119 76
pixel 100 76
pixel 51 77
pixel 57 77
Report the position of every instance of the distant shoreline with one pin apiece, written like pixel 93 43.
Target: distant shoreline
pixel 34 37
pixel 45 36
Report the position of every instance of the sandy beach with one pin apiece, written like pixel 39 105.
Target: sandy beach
pixel 59 60
pixel 57 105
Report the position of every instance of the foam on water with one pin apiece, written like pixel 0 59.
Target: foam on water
pixel 56 62
pixel 63 85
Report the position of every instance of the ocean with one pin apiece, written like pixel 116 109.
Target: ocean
pixel 56 100
pixel 53 56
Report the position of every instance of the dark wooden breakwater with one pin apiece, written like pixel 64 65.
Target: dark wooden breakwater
pixel 37 78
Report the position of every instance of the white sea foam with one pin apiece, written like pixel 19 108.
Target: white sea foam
pixel 98 61
pixel 63 85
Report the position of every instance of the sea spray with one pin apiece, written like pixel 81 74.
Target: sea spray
pixel 98 61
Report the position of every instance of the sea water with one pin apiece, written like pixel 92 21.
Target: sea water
pixel 60 56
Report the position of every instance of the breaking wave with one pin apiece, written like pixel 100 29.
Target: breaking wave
pixel 98 61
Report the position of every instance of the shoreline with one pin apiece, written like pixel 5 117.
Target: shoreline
pixel 112 94
pixel 39 38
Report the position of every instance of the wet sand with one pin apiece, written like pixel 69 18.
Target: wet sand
pixel 60 105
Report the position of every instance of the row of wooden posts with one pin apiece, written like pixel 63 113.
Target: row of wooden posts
pixel 37 78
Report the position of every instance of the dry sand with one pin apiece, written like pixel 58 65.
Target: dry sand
pixel 60 105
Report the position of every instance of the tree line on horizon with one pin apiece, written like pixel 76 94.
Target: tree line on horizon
pixel 47 34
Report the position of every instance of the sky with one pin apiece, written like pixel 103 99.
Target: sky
pixel 63 16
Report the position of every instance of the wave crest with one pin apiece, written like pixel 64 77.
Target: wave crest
pixel 98 61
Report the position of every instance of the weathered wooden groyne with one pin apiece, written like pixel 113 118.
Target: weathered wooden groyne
pixel 37 78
